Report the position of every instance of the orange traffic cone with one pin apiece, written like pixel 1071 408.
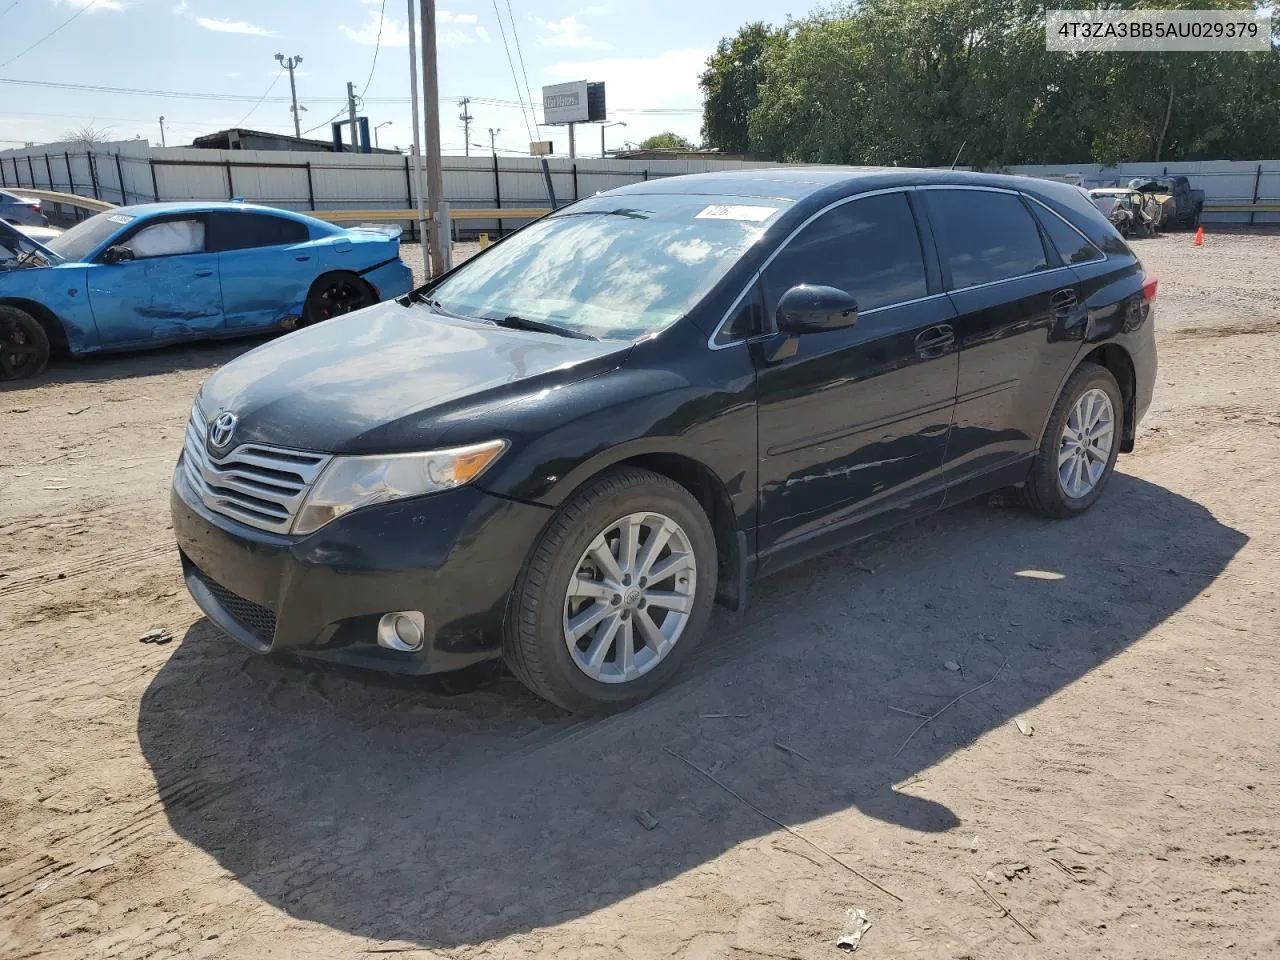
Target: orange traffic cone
pixel 1199 236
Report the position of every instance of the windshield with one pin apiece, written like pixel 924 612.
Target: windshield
pixel 85 237
pixel 612 267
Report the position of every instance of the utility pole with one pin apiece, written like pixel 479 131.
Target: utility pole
pixel 162 143
pixel 493 141
pixel 416 149
pixel 431 105
pixel 466 118
pixel 290 64
pixel 351 108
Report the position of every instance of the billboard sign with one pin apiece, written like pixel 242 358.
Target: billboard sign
pixel 565 103
pixel 576 102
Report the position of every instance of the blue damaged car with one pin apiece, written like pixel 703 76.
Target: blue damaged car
pixel 154 274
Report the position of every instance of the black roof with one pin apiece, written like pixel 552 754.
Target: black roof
pixel 799 182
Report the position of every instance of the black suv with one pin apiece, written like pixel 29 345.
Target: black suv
pixel 563 452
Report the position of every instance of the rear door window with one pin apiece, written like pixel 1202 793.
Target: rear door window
pixel 984 236
pixel 869 248
pixel 245 231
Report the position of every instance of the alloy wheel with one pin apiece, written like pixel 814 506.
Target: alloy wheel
pixel 1084 449
pixel 630 597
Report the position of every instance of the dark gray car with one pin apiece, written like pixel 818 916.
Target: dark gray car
pixel 27 211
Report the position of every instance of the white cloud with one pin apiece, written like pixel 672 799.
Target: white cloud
pixel 234 26
pixel 396 34
pixel 568 32
pixel 99 7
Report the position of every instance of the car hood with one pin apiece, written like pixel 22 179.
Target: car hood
pixel 390 378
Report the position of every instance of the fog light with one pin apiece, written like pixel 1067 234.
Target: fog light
pixel 403 631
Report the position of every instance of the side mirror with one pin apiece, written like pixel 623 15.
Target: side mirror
pixel 117 254
pixel 812 309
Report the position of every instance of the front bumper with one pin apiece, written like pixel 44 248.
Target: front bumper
pixel 453 556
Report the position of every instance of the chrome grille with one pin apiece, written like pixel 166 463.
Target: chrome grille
pixel 259 486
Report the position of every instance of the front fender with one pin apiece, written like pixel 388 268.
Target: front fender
pixel 59 290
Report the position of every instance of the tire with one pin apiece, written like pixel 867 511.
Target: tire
pixel 1046 491
pixel 334 295
pixel 535 642
pixel 24 345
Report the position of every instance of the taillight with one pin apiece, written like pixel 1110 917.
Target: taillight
pixel 34 205
pixel 1149 284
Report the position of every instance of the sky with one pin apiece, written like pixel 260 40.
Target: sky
pixel 648 54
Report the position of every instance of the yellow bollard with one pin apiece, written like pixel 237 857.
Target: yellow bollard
pixel 484 241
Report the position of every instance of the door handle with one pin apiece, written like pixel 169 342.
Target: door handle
pixel 935 341
pixel 1063 301
pixel 204 273
pixel 303 259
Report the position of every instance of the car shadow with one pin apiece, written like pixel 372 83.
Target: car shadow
pixel 388 810
pixel 97 368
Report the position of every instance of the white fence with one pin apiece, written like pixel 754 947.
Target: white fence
pixel 131 171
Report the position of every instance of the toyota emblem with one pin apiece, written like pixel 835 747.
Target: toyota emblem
pixel 221 429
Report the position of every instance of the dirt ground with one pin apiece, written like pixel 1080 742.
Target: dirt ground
pixel 1105 782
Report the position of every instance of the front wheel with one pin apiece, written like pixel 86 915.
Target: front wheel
pixel 24 344
pixel 1078 452
pixel 615 595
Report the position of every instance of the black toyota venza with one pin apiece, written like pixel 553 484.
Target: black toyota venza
pixel 566 450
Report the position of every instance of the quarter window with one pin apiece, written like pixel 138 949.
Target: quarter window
pixel 868 248
pixel 985 236
pixel 1070 244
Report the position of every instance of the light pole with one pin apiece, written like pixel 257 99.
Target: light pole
pixel 603 128
pixel 162 143
pixel 385 123
pixel 493 140
pixel 290 64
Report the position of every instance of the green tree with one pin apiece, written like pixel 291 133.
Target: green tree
pixel 930 82
pixel 731 85
pixel 666 141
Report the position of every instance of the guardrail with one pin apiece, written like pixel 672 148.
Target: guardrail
pixel 70 199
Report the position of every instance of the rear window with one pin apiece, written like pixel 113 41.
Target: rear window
pixel 985 236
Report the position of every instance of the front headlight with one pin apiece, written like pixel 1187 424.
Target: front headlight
pixel 351 482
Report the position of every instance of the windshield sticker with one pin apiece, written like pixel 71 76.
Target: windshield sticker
pixel 119 218
pixel 728 211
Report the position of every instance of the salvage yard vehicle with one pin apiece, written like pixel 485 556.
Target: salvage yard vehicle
pixel 563 452
pixel 25 211
pixel 1185 205
pixel 155 274
pixel 1128 210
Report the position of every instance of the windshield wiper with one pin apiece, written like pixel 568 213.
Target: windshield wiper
pixel 513 322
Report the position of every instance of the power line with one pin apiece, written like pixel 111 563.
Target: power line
pixel 376 47
pixel 274 81
pixel 6 10
pixel 250 98
pixel 85 9
pixel 520 53
pixel 503 30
